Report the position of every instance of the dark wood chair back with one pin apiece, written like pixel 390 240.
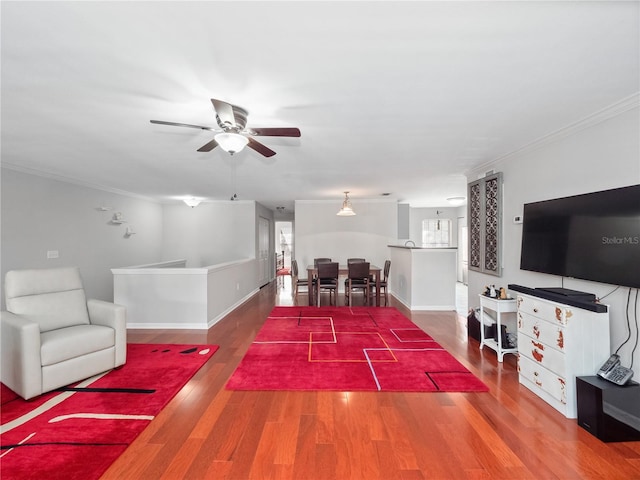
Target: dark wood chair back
pixel 358 271
pixel 355 260
pixel 328 271
pixel 387 267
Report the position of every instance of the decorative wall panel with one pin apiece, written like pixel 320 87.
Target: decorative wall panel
pixel 485 224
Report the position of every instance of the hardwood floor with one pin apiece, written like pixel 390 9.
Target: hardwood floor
pixel 208 432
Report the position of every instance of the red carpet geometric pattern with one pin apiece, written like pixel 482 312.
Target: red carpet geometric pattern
pixel 348 348
pixel 76 432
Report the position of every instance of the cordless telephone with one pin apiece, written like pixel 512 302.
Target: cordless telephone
pixel 613 371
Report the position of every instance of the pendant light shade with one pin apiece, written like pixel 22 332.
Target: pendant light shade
pixel 347 209
pixel 231 142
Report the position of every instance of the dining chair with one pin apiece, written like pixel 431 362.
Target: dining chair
pixel 327 280
pixel 355 260
pixel 384 282
pixel 316 261
pixel 346 280
pixel 357 279
pixel 298 282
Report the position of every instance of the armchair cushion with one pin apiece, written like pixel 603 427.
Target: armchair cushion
pixel 71 342
pixel 53 298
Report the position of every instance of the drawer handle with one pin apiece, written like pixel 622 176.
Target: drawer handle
pixel 535 310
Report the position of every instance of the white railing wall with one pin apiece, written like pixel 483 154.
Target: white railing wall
pixel 168 295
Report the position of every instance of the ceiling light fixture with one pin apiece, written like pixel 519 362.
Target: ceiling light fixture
pixel 456 201
pixel 347 209
pixel 192 201
pixel 231 142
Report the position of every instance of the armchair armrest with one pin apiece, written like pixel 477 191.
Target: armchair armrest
pixel 114 316
pixel 21 363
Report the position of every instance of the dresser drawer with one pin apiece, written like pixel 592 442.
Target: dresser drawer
pixel 551 334
pixel 542 354
pixel 542 378
pixel 543 309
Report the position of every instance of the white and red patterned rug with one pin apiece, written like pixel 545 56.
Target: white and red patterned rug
pixel 348 349
pixel 77 432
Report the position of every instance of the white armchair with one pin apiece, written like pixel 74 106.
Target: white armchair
pixel 52 336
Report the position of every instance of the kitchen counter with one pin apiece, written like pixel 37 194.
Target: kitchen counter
pixel 424 278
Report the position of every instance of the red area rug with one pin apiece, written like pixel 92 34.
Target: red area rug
pixel 78 431
pixel 348 349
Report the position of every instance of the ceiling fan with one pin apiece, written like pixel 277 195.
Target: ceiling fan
pixel 234 136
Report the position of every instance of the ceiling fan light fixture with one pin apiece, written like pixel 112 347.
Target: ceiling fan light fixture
pixel 347 209
pixel 231 142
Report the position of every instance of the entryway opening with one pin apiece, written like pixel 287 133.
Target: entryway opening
pixel 284 249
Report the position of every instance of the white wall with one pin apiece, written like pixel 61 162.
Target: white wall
pixel 210 233
pixel 41 214
pixel 599 157
pixel 319 232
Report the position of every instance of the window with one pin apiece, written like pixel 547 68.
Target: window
pixel 436 232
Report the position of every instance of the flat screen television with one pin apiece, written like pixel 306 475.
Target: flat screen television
pixel 594 236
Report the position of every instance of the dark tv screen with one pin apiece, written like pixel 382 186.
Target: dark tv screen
pixel 594 236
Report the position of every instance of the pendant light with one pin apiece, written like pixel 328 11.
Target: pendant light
pixel 347 209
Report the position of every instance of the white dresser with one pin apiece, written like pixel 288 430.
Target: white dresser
pixel 556 343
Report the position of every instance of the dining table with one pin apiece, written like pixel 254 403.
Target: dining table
pixel 312 272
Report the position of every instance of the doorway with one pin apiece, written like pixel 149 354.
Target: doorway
pixel 284 250
pixel 284 241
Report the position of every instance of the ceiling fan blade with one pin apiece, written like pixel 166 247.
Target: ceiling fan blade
pixel 174 124
pixel 260 148
pixel 274 132
pixel 224 111
pixel 209 146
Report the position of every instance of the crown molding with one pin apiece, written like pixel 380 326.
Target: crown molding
pixel 362 200
pixel 75 181
pixel 613 110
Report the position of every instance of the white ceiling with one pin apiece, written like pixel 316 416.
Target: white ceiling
pixel 395 97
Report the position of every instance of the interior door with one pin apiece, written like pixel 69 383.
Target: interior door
pixel 264 227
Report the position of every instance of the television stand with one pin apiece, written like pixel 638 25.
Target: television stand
pixel 557 343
